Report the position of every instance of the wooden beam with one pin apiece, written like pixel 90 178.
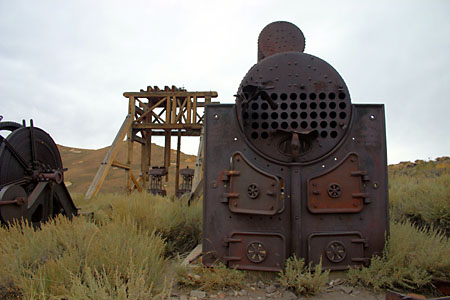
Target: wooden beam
pixel 167 126
pixel 194 110
pixel 120 165
pixel 177 173
pixel 167 152
pixel 198 173
pixel 150 110
pixel 105 165
pixel 131 111
pixel 174 94
pixel 188 106
pixel 136 184
pixel 173 120
pixel 183 133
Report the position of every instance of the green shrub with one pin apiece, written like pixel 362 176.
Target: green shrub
pixel 412 258
pixel 301 278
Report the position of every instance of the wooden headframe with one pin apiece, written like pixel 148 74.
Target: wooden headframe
pixel 153 112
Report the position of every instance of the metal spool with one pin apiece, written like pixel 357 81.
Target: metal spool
pixel 31 176
pixel 278 37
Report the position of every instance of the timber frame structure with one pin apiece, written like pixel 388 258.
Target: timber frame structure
pixel 154 112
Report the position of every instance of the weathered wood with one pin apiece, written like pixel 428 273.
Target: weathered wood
pixel 173 94
pixel 198 173
pixel 136 184
pixel 167 153
pixel 150 109
pixel 118 164
pixel 177 173
pixel 131 111
pixel 156 112
pixel 167 126
pixel 173 118
pixel 188 106
pixel 194 110
pixel 107 161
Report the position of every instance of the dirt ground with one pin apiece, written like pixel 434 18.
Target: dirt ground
pixel 269 289
pixel 339 292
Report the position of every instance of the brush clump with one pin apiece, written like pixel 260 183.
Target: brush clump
pixel 301 278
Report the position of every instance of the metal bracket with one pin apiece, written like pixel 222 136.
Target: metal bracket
pixel 365 242
pixel 363 174
pixel 364 260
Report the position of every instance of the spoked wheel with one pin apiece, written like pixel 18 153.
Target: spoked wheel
pixel 31 176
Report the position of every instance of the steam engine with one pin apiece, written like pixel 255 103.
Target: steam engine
pixel 293 167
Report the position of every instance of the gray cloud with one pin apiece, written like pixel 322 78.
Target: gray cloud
pixel 66 64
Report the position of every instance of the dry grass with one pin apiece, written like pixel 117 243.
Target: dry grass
pixel 214 278
pixel 51 262
pixel 420 192
pixel 178 224
pixel 120 253
pixel 412 258
pixel 301 278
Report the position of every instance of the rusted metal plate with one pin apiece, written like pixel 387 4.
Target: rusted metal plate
pixel 338 250
pixel 278 37
pixel 294 133
pixel 251 190
pixel 339 190
pixel 292 96
pixel 256 251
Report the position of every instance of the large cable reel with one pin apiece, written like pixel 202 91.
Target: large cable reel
pixel 31 176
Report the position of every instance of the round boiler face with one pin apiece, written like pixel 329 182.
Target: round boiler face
pixel 293 107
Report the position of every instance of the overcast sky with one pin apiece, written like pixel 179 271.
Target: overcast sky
pixel 66 63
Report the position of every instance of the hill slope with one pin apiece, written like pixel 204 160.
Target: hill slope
pixel 83 165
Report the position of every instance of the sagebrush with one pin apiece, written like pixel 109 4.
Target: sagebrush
pixel 302 278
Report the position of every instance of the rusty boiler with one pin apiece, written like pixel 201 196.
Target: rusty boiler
pixel 293 167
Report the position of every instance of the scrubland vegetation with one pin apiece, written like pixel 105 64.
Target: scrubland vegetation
pixel 129 248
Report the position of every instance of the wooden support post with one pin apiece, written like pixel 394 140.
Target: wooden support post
pixel 168 110
pixel 194 110
pixel 145 155
pixel 188 108
pixel 177 173
pixel 96 184
pixel 146 150
pixel 167 152
pixel 131 111
pixel 174 110
pixel 199 164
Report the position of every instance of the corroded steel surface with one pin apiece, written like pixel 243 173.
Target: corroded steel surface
pixel 293 167
pixel 278 37
pixel 31 176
